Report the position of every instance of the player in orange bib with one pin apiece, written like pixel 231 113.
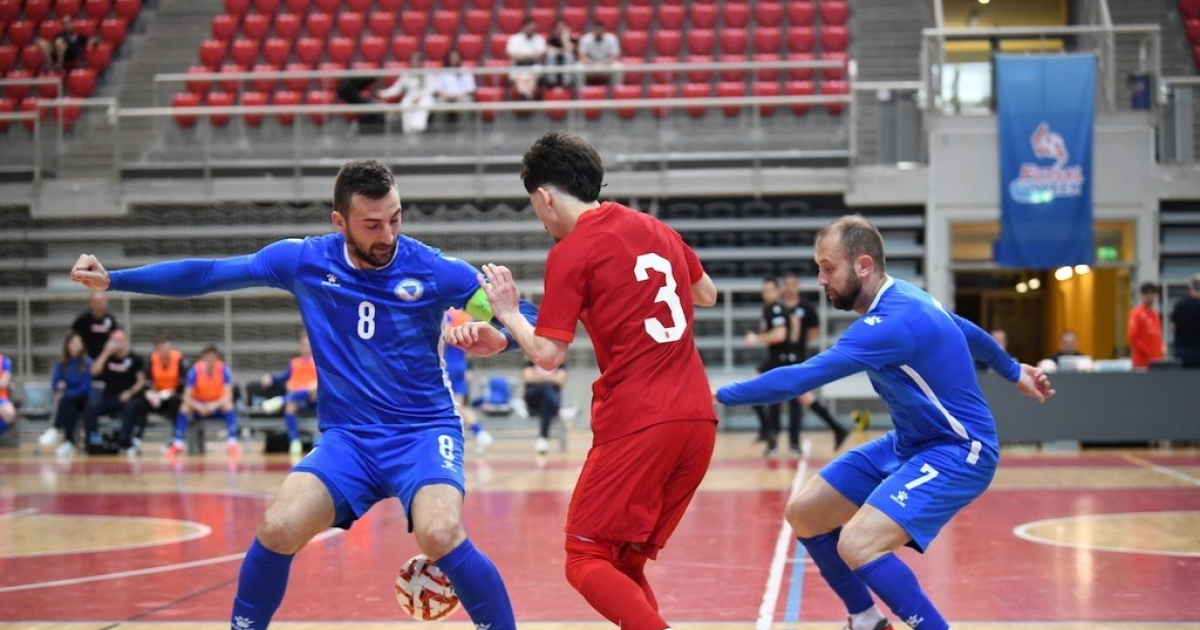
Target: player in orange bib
pixel 208 393
pixel 300 379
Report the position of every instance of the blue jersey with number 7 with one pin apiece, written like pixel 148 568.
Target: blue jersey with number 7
pixel 375 334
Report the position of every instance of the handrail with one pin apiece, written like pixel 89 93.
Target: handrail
pixel 1037 31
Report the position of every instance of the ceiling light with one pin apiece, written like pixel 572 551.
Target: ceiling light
pixel 1062 274
pixel 1082 269
pixel 1035 284
pixel 1022 287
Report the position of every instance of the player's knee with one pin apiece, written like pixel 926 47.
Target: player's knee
pixel 290 409
pixel 804 516
pixel 855 547
pixel 277 533
pixel 439 536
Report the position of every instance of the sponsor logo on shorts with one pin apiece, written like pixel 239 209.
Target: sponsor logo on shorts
pixel 900 498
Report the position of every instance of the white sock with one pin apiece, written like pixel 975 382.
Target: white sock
pixel 867 619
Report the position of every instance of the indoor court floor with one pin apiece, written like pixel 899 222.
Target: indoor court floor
pixel 1098 539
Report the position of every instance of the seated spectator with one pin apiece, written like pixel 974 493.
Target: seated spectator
pixel 560 53
pixel 167 369
pixel 95 324
pixel 71 382
pixel 300 379
pixel 525 50
pixel 415 94
pixel 452 85
pixel 543 394
pixel 207 394
pixel 64 52
pixel 8 411
pixel 124 375
pixel 1068 346
pixel 357 91
pixel 600 49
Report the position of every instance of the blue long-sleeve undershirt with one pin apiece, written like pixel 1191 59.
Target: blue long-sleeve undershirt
pixel 785 383
pixel 985 350
pixel 187 278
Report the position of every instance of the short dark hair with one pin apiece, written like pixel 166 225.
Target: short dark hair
pixel 212 349
pixel 858 236
pixel 161 340
pixel 771 279
pixel 1148 287
pixel 565 161
pixel 368 178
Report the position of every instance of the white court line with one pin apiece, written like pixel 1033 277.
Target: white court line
pixel 197 531
pixel 1022 532
pixel 766 612
pixel 1170 472
pixel 16 513
pixel 120 575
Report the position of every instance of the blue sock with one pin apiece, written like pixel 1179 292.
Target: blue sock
pixel 896 585
pixel 261 584
pixel 476 428
pixel 181 421
pixel 293 428
pixel 231 424
pixel 823 550
pixel 479 587
pixel 4 426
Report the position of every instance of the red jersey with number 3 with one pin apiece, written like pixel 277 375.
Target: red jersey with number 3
pixel 629 277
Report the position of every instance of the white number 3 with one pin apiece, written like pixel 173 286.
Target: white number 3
pixel 666 294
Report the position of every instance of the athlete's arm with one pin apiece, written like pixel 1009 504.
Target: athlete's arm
pixel 985 349
pixel 478 338
pixel 278 377
pixel 502 295
pixel 704 292
pixel 273 266
pixel 786 383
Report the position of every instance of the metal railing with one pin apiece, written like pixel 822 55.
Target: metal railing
pixel 1180 107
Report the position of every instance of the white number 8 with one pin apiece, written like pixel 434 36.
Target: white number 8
pixel 366 320
pixel 666 294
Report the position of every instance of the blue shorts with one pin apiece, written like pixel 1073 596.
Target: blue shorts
pixel 364 465
pixel 921 493
pixel 302 400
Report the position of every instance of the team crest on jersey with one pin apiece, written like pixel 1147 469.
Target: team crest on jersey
pixel 409 290
pixel 872 320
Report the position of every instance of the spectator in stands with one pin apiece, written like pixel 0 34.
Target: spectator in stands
pixel 543 394
pixel 124 375
pixel 415 92
pixel 560 53
pixel 207 394
pixel 71 382
pixel 358 91
pixel 600 49
pixel 95 324
pixel 525 50
pixel 300 380
pixel 167 369
pixel 452 85
pixel 66 49
pixel 772 333
pixel 803 329
pixel 1185 323
pixel 8 411
pixel 1144 331
pixel 1068 346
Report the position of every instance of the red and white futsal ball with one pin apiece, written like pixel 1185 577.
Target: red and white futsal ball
pixel 423 591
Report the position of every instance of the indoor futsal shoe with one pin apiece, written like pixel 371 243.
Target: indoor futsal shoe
pixel 883 624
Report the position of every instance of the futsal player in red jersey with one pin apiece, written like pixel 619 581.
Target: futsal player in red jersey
pixel 634 283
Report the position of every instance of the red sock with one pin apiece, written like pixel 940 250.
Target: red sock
pixel 633 564
pixel 615 595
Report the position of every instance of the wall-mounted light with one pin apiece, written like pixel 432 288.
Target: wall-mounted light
pixel 1062 274
pixel 1035 284
pixel 984 1
pixel 1082 269
pixel 1022 287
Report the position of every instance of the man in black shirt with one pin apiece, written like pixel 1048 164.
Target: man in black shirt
pixel 772 333
pixel 803 328
pixel 1185 322
pixel 124 375
pixel 66 49
pixel 95 324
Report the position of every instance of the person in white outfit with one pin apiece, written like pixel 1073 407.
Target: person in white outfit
pixel 452 84
pixel 416 95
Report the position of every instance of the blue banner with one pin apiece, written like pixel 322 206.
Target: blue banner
pixel 1045 113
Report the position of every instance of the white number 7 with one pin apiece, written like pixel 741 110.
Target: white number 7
pixel 930 473
pixel 666 294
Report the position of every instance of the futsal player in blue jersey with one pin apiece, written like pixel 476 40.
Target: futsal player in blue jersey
pixel 901 488
pixel 372 302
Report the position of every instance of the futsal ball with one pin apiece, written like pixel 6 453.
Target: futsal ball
pixel 423 591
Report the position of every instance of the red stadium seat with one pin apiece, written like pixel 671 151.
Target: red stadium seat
pixel 766 88
pixel 341 50
pixel 63 8
pixel 593 93
pixel 37 10
pixel 328 6
pixel 737 75
pixel 1192 27
pixel 298 7
pixel 834 12
pixel 267 7
pixel 224 27
pixel 834 38
pixel 297 84
pixel 382 23
pixel 99 9
pixel 627 93
pixel 662 91
pixel 99 56
pixel 197 86
pixel 185 99
pixel 285 98
pixel 49 29
pixel 556 94
pixel 8 58
pixel 735 15
pixel 256 26
pixel 287 25
pixel 634 43
pixel 81 82
pixel 731 89
pixel 470 46
pixel 212 52
pixel 309 50
pixel 489 94
pixel 544 18
pixel 610 17
pixel 7 106
pixel 799 88
pixel 361 6
pixel 445 22
pixel 670 16
pixel 452 5
pixel 32 58
pixel 10 10
pixel 768 14
pixel 19 92
pixel 834 88
pixel 800 39
pixel 68 114
pixel 127 9
pixel 700 41
pixel 253 99
pixel 403 47
pixel 733 41
pixel 801 13
pixel 838 73
pixel 87 27
pixel 703 15
pixel 318 97
pixel 767 40
pixel 494 80
pixel 632 77
pixel 50 90
pixel 496 46
pixel 219 99
pixel 318 25
pixel 30 105
pixel 663 76
pixel 373 49
pixel 668 43
pixel 478 22
pixel 576 18
pixel 767 74
pixel 350 24
pixel 800 74
pixel 413 22
pixel 509 21
pixel 244 52
pixel 639 18
pixel 698 75
pixel 1190 8
pixel 609 3
pixel 230 84
pixel 113 30
pixel 277 50
pixel 22 33
pixel 436 47
pixel 264 84
pixel 696 90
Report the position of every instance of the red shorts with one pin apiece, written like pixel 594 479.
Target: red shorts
pixel 635 489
